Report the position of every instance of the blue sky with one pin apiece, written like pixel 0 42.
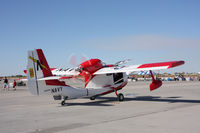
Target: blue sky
pixel 142 30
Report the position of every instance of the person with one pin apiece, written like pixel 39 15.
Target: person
pixel 14 85
pixel 6 83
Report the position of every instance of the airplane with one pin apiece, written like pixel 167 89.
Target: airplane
pixel 99 78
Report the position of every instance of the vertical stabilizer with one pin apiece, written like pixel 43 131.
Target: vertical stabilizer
pixel 38 68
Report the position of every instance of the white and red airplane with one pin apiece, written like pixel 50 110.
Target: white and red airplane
pixel 99 79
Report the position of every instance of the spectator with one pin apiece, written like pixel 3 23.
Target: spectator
pixel 6 83
pixel 14 85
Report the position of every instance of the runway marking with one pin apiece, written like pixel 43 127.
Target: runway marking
pixel 61 128
pixel 115 102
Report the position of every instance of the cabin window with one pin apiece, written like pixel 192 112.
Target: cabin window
pixel 108 74
pixel 118 78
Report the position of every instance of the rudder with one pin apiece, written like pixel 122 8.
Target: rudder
pixel 38 68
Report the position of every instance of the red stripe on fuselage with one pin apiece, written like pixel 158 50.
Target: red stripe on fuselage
pixel 116 89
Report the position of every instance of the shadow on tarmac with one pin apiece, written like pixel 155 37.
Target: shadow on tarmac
pixel 108 101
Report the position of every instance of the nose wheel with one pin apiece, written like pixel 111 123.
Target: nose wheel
pixel 120 97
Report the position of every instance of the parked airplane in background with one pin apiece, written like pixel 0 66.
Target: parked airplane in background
pixel 99 78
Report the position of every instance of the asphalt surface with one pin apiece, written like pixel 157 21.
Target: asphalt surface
pixel 173 108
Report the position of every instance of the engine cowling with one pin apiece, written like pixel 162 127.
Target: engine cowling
pixel 155 84
pixel 91 65
pixel 88 67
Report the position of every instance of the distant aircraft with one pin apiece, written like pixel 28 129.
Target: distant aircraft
pixel 99 79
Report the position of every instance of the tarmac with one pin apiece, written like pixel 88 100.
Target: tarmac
pixel 173 108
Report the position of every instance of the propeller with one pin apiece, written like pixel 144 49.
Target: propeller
pixel 73 59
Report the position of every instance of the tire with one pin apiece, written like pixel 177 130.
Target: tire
pixel 63 103
pixel 92 98
pixel 120 97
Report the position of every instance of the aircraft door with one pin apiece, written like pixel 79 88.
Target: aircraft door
pixel 118 78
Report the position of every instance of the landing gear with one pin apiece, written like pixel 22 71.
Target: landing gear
pixel 92 98
pixel 63 102
pixel 120 97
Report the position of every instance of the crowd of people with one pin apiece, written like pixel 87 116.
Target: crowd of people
pixel 6 86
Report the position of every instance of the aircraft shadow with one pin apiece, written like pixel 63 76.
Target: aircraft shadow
pixel 108 101
pixel 155 99
pixel 103 102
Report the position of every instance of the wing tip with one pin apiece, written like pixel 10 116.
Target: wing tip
pixel 176 63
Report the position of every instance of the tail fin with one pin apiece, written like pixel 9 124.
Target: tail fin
pixel 38 68
pixel 37 61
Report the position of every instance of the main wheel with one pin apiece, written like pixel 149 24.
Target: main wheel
pixel 120 97
pixel 63 103
pixel 92 98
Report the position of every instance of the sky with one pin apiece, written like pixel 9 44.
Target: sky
pixel 144 31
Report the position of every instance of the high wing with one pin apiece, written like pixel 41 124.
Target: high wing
pixel 65 72
pixel 143 67
pixel 61 73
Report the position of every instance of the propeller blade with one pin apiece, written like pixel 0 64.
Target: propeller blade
pixel 72 60
pixel 84 58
